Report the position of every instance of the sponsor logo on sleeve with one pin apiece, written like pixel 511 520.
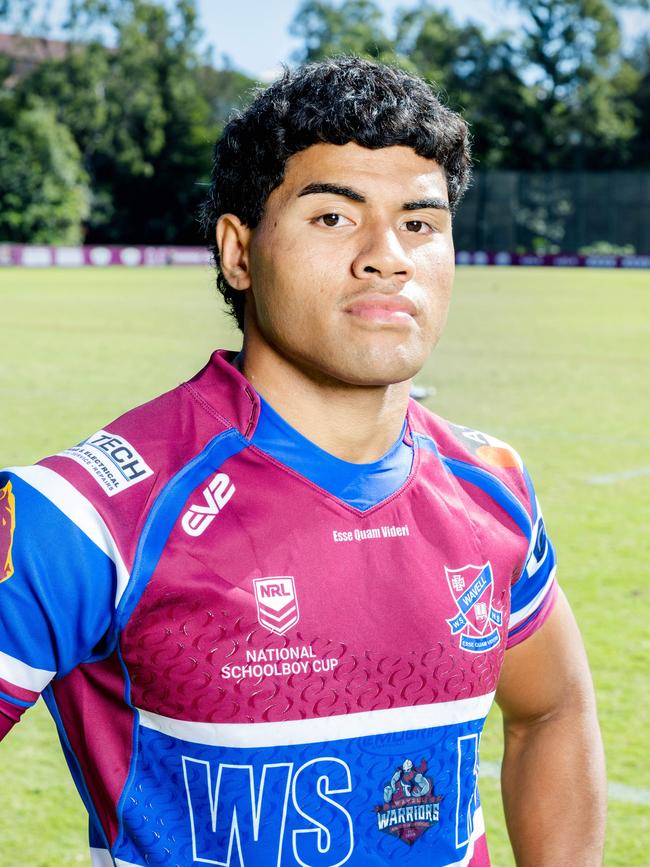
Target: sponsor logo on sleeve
pixel 476 621
pixel 216 494
pixel 277 603
pixel 112 461
pixel 410 805
pixel 7 527
pixel 488 449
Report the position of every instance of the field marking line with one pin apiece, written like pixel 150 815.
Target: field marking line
pixel 622 476
pixel 615 791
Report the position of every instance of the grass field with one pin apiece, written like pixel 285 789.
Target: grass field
pixel 555 362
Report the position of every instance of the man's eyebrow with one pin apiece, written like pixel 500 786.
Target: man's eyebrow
pixel 332 189
pixel 437 204
pixel 349 193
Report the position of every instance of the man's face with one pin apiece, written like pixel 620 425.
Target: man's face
pixel 352 264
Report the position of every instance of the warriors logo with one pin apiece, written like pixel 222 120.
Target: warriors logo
pixel 410 806
pixel 7 526
pixel 472 588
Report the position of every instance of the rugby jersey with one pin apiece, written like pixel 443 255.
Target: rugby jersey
pixel 257 654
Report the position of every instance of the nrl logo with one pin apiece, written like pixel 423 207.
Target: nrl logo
pixel 277 603
pixel 472 588
pixel 410 806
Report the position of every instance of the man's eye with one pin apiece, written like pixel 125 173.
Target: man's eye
pixel 419 227
pixel 332 220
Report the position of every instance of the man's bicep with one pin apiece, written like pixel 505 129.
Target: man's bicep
pixel 546 673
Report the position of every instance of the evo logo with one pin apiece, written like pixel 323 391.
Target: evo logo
pixel 198 518
pixel 285 816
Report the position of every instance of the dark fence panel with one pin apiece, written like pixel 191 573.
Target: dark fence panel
pixel 555 211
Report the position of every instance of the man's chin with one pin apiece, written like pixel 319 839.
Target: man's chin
pixel 390 367
pixel 380 376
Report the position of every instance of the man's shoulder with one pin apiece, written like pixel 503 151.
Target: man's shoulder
pixel 466 451
pixel 118 471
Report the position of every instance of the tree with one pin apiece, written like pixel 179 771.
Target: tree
pixel 640 60
pixel 474 74
pixel 477 75
pixel 571 50
pixel 138 113
pixel 170 118
pixel 44 195
pixel 225 91
pixel 353 27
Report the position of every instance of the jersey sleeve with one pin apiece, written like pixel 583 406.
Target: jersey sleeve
pixel 58 577
pixel 535 590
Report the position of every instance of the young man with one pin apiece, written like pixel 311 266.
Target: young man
pixel 269 610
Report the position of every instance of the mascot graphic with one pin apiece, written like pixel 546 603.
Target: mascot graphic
pixel 408 782
pixel 410 806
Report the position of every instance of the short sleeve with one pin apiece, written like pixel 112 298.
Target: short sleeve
pixel 535 590
pixel 57 584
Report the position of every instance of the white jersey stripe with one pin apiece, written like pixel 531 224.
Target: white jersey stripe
pixel 519 616
pixel 23 675
pixel 309 731
pixel 477 833
pixel 101 858
pixel 79 510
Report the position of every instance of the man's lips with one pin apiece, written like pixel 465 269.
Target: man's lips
pixel 377 307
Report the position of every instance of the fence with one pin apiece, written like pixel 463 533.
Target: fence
pixel 43 256
pixel 555 212
pixel 40 256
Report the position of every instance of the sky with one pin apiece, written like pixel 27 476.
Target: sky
pixel 254 33
pixel 258 41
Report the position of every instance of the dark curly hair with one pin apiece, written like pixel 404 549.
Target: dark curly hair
pixel 340 100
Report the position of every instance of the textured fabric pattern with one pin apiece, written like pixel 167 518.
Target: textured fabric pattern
pixel 246 665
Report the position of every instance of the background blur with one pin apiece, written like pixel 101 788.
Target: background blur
pixel 108 114
pixel 117 103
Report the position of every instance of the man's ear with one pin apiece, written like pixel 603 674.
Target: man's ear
pixel 233 241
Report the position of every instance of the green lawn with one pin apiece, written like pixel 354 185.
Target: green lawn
pixel 555 362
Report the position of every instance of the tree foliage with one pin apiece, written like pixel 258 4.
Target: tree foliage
pixel 44 195
pixel 354 27
pixel 478 75
pixel 582 84
pixel 560 94
pixel 142 111
pixel 136 104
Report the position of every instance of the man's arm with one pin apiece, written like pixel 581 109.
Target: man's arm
pixel 553 777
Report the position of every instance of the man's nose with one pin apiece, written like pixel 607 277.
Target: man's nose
pixel 382 255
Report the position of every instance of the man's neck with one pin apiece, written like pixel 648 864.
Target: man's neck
pixel 355 423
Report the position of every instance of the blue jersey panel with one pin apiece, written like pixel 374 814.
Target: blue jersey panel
pixel 405 798
pixel 361 486
pixel 57 604
pixel 534 578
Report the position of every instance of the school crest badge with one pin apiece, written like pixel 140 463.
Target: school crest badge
pixel 476 620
